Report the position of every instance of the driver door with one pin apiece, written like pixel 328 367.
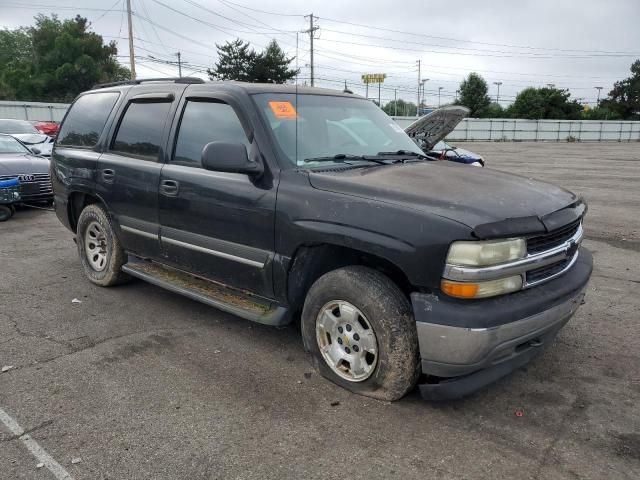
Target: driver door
pixel 213 224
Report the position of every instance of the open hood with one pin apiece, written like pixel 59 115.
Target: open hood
pixel 430 129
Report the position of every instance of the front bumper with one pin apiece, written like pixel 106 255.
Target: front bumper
pixel 465 345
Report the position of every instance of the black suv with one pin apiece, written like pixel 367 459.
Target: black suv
pixel 278 203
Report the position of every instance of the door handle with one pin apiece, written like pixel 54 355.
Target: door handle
pixel 108 175
pixel 169 188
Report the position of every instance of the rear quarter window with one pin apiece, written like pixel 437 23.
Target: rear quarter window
pixel 86 119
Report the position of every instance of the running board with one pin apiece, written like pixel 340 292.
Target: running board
pixel 214 294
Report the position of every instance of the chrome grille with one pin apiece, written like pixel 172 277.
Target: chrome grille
pixel 552 239
pixel 32 184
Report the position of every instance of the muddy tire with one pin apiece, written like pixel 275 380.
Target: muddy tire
pixel 100 251
pixel 360 331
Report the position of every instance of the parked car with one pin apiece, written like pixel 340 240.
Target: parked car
pixel 443 151
pixel 32 171
pixel 249 198
pixel 47 128
pixel 430 130
pixel 24 131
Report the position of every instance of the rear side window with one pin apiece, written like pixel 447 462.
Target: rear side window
pixel 203 122
pixel 141 128
pixel 86 119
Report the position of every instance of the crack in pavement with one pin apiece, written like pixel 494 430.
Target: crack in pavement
pixel 95 344
pixel 11 438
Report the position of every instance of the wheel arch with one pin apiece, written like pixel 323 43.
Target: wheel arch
pixel 310 262
pixel 78 200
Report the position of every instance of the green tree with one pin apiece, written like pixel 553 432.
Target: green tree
pixel 272 65
pixel 404 108
pixel 236 61
pixel 600 113
pixel 540 103
pixel 624 99
pixel 473 95
pixel 55 60
pixel 494 110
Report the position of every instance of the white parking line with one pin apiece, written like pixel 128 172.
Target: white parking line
pixel 58 471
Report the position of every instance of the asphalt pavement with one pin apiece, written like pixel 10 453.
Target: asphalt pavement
pixel 134 382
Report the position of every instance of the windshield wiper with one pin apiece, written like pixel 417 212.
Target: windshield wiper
pixel 402 153
pixel 341 157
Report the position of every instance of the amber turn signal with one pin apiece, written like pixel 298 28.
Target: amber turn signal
pixel 460 290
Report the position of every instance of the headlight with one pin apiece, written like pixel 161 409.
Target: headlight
pixel 483 289
pixel 485 253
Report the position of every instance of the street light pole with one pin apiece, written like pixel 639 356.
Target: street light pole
pixel 418 104
pixel 439 90
pixel 598 100
pixel 498 94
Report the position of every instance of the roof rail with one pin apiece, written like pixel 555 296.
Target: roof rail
pixel 142 80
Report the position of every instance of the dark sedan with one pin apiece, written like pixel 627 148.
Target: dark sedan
pixel 17 161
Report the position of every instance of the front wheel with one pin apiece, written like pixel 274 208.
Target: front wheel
pixel 100 251
pixel 360 331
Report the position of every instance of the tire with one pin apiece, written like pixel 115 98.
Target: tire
pixel 382 306
pixel 6 212
pixel 104 266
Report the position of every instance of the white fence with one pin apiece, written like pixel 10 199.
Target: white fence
pixel 508 129
pixel 478 129
pixel 33 110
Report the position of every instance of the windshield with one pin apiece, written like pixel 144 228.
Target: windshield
pixel 17 126
pixel 321 126
pixel 11 145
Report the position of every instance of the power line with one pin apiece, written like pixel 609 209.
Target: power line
pixel 528 47
pixel 341 32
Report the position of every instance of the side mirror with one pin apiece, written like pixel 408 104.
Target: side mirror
pixel 36 151
pixel 229 157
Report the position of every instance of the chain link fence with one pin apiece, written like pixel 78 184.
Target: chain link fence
pixel 53 112
pixel 508 130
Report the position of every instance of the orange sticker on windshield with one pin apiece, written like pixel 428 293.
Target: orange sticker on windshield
pixel 283 110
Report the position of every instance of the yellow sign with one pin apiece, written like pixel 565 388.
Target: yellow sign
pixel 374 77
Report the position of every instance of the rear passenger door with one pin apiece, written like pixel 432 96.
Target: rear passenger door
pixel 214 224
pixel 129 169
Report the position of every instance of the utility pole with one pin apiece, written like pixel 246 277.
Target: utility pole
pixel 379 104
pixel 311 31
pixel 395 100
pixel 439 90
pixel 179 65
pixel 598 101
pixel 419 80
pixel 498 94
pixel 132 58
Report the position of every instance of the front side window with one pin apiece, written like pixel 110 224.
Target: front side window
pixel 140 130
pixel 204 122
pixel 308 127
pixel 86 119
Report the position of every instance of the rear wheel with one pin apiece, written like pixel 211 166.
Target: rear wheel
pixel 360 331
pixel 100 251
pixel 6 212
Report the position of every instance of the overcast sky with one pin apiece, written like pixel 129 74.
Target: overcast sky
pixel 577 44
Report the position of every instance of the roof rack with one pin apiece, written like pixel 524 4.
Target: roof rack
pixel 142 80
